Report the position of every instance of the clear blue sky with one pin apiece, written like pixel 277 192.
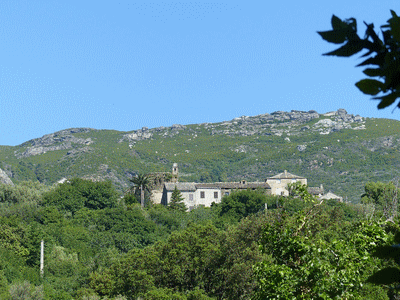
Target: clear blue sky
pixel 115 64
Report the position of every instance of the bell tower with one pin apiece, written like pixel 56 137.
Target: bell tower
pixel 174 172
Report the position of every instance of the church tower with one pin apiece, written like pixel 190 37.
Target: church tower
pixel 175 172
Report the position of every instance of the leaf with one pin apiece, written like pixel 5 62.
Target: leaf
pixel 373 72
pixel 367 54
pixel 337 23
pixel 376 60
pixel 370 86
pixel 333 36
pixel 387 100
pixel 351 24
pixel 349 49
pixel 394 26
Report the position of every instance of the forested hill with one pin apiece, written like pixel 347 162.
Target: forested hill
pixel 339 150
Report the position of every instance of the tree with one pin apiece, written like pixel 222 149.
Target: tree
pixel 383 55
pixel 318 257
pixel 77 193
pixel 382 195
pixel 25 291
pixel 141 183
pixel 176 200
pixel 240 204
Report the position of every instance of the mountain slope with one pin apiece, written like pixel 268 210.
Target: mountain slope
pixel 338 150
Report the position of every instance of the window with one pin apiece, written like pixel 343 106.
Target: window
pixel 215 195
pixel 191 197
pixel 227 193
pixel 202 195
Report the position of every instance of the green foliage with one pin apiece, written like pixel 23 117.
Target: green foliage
pixel 12 237
pixel 384 196
pixel 176 200
pixel 197 263
pixel 25 291
pixel 385 61
pixel 120 251
pixel 343 167
pixel 389 275
pixel 240 204
pixel 25 191
pixel 130 198
pixel 301 190
pixel 310 257
pixel 141 183
pixel 77 193
pixel 164 294
pixel 117 227
pixel 169 219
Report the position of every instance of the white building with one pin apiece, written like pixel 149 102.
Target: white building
pixel 196 194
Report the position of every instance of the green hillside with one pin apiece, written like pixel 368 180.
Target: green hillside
pixel 338 150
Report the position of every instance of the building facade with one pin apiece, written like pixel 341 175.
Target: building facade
pixel 279 183
pixel 196 194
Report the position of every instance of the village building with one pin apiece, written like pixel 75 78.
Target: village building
pixel 279 183
pixel 196 194
pixel 316 191
pixel 330 195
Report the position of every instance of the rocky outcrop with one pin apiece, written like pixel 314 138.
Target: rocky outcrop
pixel 61 140
pixel 291 123
pixel 278 123
pixel 60 137
pixel 4 179
pixel 138 135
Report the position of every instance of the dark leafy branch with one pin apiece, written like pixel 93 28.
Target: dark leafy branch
pixel 382 56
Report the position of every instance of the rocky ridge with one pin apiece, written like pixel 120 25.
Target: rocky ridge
pixel 61 140
pixel 276 123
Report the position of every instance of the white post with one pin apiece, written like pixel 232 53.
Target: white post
pixel 41 258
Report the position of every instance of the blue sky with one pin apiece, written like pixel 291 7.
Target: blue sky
pixel 124 65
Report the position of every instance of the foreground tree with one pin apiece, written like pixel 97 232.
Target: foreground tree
pixel 328 263
pixel 383 55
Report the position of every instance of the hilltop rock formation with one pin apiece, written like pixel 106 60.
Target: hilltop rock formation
pixel 290 123
pixel 277 123
pixel 61 140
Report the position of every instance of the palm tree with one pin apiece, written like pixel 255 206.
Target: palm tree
pixel 141 182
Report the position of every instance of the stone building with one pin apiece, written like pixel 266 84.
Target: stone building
pixel 280 182
pixel 205 194
pixel 195 194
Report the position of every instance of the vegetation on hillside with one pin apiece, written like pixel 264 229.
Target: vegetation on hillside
pixel 343 161
pixel 99 247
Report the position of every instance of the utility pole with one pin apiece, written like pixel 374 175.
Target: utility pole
pixel 41 258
